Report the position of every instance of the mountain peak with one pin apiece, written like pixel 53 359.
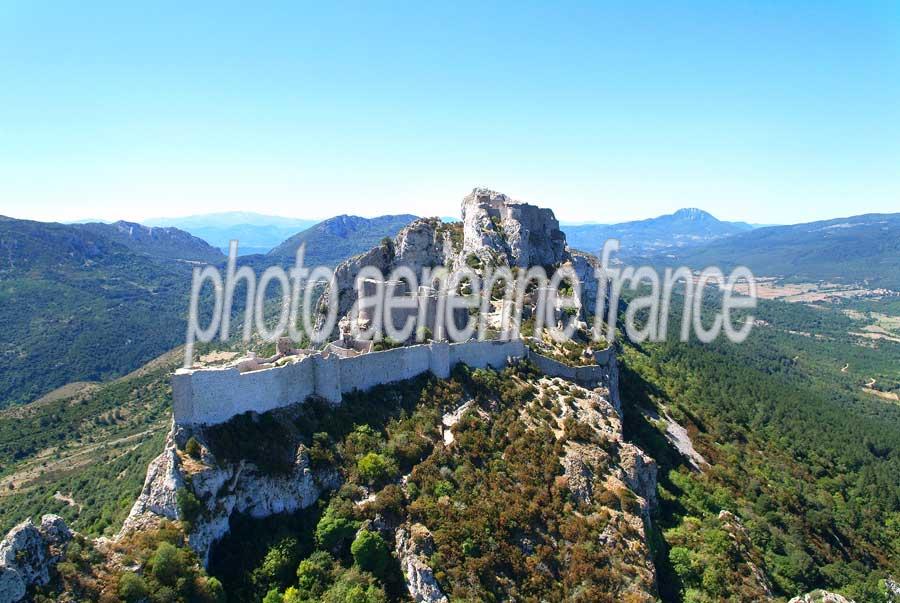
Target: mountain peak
pixel 694 214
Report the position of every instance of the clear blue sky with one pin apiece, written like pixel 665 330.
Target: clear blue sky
pixel 760 111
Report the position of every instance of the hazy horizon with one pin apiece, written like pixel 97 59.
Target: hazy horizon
pixel 164 220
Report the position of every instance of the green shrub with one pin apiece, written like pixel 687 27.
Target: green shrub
pixel 334 529
pixel 211 590
pixel 385 343
pixel 278 565
pixel 390 501
pixel 192 447
pixel 168 564
pixel 189 507
pixel 443 488
pixel 370 552
pixel 320 453
pixel 354 587
pixel 132 587
pixel 314 574
pixel 376 468
pixel 273 596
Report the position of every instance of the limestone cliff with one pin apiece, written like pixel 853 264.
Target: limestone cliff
pixel 496 230
pixel 421 244
pixel 204 493
pixel 29 553
pixel 500 230
pixel 414 545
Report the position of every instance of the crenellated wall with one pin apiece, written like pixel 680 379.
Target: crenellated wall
pixel 211 396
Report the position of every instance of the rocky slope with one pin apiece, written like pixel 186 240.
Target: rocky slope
pixel 495 231
pixel 611 481
pixel 205 492
pixel 159 242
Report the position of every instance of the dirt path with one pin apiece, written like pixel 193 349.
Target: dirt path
pixel 67 498
pixel 40 466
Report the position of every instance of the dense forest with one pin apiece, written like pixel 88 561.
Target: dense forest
pixel 808 462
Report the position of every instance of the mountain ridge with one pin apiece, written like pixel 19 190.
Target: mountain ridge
pixel 164 242
pixel 685 226
pixel 856 249
pixel 335 239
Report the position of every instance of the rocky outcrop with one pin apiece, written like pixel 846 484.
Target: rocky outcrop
pixel 158 495
pixel 414 545
pixel 29 553
pixel 495 228
pixel 600 468
pixel 585 266
pixel 582 464
pixel 820 596
pixel 639 472
pixel 419 245
pixel 518 234
pixel 221 490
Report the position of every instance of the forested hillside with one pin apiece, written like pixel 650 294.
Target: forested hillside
pixel 858 249
pixel 807 463
pixel 84 456
pixel 77 306
pixel 158 242
pixel 796 485
pixel 330 242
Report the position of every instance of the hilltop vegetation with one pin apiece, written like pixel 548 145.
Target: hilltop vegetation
pixel 503 521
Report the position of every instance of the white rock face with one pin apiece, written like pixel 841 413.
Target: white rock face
pixel 518 233
pixel 223 490
pixel 496 229
pixel 640 475
pixel 820 596
pixel 418 245
pixel 28 553
pixel 585 266
pixel 158 496
pixel 413 547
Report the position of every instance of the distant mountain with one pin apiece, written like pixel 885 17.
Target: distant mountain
pixel 255 233
pixel 857 249
pixel 76 305
pixel 685 227
pixel 160 242
pixel 330 242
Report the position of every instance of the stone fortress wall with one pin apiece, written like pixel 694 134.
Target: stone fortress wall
pixel 214 395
